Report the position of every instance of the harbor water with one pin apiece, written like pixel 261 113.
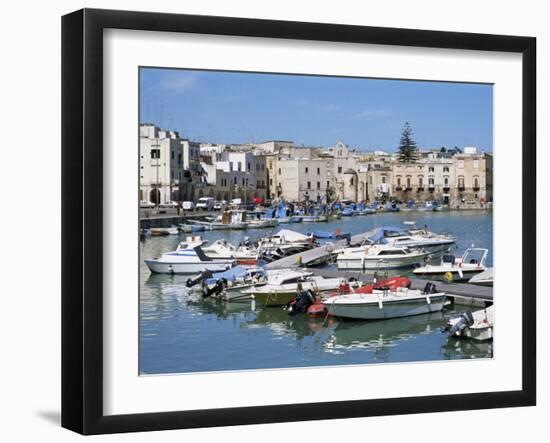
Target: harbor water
pixel 180 332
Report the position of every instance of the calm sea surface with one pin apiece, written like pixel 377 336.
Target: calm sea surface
pixel 180 332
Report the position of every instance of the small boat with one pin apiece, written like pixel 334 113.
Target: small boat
pixel 456 269
pixel 287 241
pixel 337 235
pixel 392 207
pixel 227 285
pixel 284 220
pixel 295 219
pixel 374 257
pixel 158 232
pixel 188 258
pixel 285 286
pixel 259 220
pixel 378 305
pixel 347 212
pixel 191 228
pixel 244 253
pixel 315 307
pixel 476 325
pixel 484 278
pixel 413 238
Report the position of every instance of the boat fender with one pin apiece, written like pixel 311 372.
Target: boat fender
pixel 448 277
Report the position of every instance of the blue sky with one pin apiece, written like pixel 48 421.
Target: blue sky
pixel 227 107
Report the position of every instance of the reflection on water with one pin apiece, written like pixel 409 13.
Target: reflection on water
pixel 180 332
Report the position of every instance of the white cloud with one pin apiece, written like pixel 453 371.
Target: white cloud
pixel 179 83
pixel 373 114
pixel 330 107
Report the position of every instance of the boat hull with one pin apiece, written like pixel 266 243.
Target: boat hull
pixel 389 309
pixel 365 263
pixel 440 275
pixel 159 267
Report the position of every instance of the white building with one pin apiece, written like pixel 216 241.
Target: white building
pixel 169 166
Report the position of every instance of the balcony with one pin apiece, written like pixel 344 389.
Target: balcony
pixel 476 188
pixel 398 188
pixel 461 188
pixel 446 188
pixel 408 188
pixel 420 188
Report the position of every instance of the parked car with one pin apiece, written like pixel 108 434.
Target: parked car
pixel 220 205
pixel 169 204
pixel 205 203
pixel 146 204
pixel 188 206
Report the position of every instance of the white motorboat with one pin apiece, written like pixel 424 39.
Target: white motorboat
pixel 171 230
pixel 221 249
pixel 256 278
pixel 287 241
pixel 380 305
pixel 456 269
pixel 374 257
pixel 476 325
pixel 283 287
pixel 484 278
pixel 413 238
pixel 188 258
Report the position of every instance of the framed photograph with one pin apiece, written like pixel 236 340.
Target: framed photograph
pixel 269 221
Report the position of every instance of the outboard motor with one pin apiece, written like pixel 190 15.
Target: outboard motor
pixel 430 288
pixel 466 319
pixel 216 289
pixel 303 301
pixel 192 281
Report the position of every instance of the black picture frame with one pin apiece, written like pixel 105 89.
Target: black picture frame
pixel 82 218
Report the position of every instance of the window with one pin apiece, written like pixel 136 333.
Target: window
pixel 408 182
pixel 431 181
pixel 431 169
pixel 461 181
pixel 248 166
pixel 257 166
pixel 279 170
pixel 398 181
pixel 155 153
pixel 318 185
pixel 235 180
pixel 339 169
pixel 420 181
pixel 172 155
pixel 476 182
pixel 445 169
pixel 318 171
pixel 383 179
pixel 230 166
pixel 270 182
pixel 328 185
pixel 307 169
pixel 309 185
pixel 262 167
pixel 239 166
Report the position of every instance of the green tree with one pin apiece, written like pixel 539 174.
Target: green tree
pixel 407 147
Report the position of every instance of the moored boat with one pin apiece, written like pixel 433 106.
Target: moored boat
pixel 456 269
pixel 476 325
pixel 374 257
pixel 188 258
pixel 379 305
